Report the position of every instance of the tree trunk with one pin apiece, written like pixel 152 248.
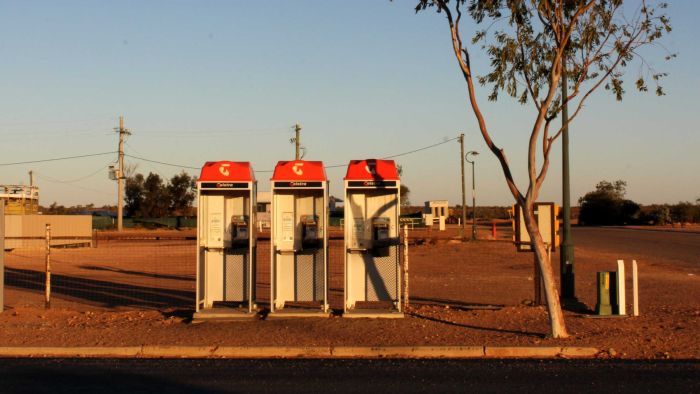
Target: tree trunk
pixel 556 317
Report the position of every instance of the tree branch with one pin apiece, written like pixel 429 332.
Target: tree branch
pixel 467 73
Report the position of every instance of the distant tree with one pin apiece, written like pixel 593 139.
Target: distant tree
pixel 156 201
pixel 133 195
pixel 659 215
pixel 151 197
pixel 404 190
pixel 109 208
pixel 405 193
pixel 182 191
pixel 606 206
pixel 55 209
pixel 684 212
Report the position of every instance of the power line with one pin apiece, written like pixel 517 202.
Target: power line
pixel 88 189
pixel 161 162
pixel 57 159
pixel 194 133
pixel 420 149
pixel 197 168
pixel 101 118
pixel 329 166
pixel 404 153
pixel 54 180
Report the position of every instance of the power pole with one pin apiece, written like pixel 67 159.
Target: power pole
pixel 120 173
pixel 297 140
pixel 31 178
pixel 466 157
pixel 464 201
pixel 566 257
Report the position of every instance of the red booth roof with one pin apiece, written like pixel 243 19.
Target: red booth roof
pixel 299 170
pixel 372 169
pixel 227 171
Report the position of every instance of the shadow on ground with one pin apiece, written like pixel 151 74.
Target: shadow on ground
pixel 99 292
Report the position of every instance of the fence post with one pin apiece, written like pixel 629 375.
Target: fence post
pixel 2 254
pixel 635 289
pixel 405 265
pixel 47 291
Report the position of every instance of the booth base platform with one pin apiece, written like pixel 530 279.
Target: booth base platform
pixel 373 314
pixel 295 313
pixel 227 314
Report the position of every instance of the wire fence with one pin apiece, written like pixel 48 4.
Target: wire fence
pixel 149 269
pixel 115 274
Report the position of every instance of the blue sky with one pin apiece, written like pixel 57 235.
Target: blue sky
pixel 226 80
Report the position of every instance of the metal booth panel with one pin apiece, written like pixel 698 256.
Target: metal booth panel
pixel 284 233
pixel 298 271
pixel 355 271
pixel 382 269
pixel 372 273
pixel 226 268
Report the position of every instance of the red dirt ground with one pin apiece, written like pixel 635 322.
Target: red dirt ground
pixel 132 292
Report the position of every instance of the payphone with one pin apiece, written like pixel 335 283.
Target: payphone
pixel 372 245
pixel 299 239
pixel 380 232
pixel 240 229
pixel 309 231
pixel 226 242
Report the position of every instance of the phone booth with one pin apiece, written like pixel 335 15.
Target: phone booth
pixel 299 247
pixel 226 193
pixel 372 243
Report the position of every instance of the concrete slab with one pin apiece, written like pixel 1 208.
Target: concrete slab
pixel 579 351
pixel 83 351
pixel 373 314
pixel 297 313
pixel 225 314
pixel 408 351
pixel 521 352
pixel 158 351
pixel 272 352
pixel 177 351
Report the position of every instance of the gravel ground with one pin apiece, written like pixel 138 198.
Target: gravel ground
pixel 133 292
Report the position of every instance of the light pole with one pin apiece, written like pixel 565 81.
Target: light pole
pixel 566 256
pixel 462 232
pixel 466 157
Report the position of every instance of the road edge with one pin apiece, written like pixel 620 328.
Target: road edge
pixel 447 352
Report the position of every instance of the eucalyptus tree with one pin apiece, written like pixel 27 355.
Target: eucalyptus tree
pixel 532 45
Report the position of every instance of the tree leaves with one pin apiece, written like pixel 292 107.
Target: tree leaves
pixel 151 197
pixel 522 37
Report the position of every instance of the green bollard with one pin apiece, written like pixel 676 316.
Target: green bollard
pixel 603 306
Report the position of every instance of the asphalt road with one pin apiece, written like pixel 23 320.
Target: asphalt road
pixel 681 248
pixel 369 376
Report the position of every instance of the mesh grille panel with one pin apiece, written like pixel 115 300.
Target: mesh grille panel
pixel 236 275
pixel 308 275
pixel 383 274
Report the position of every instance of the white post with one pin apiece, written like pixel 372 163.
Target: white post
pixel 47 288
pixel 405 266
pixel 635 289
pixel 2 254
pixel 621 287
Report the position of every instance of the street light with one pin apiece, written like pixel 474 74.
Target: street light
pixel 466 157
